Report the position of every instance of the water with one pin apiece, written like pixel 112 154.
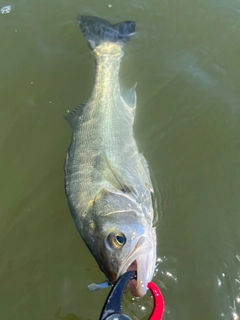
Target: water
pixel 185 58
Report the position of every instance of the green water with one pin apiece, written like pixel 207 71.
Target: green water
pixel 185 59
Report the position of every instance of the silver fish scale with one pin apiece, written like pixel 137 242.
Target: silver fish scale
pixel 105 126
pixel 107 180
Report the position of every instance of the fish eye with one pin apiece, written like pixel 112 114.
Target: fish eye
pixel 120 239
pixel 115 240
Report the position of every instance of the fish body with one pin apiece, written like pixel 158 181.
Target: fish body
pixel 107 180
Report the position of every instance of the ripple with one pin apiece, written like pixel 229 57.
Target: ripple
pixel 6 9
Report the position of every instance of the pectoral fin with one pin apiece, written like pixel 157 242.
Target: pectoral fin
pixel 111 174
pixel 145 174
pixel 109 202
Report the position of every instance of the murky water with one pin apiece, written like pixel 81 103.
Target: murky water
pixel 185 58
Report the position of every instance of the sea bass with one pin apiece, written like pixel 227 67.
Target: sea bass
pixel 107 180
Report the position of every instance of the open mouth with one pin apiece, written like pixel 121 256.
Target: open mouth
pixel 138 287
pixel 142 259
pixel 132 284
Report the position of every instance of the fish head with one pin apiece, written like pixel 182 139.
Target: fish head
pixel 121 240
pixel 129 244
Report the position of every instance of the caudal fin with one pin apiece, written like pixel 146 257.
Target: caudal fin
pixel 97 30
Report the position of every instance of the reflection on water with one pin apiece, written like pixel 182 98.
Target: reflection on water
pixel 71 316
pixel 185 58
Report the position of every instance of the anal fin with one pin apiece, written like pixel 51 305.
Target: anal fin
pixel 130 97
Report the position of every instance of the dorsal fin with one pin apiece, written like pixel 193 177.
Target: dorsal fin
pixel 74 116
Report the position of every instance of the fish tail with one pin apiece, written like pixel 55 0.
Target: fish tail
pixel 97 31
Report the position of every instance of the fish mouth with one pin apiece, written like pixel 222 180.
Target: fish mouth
pixel 141 260
pixel 132 284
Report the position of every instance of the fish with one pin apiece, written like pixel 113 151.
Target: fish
pixel 107 180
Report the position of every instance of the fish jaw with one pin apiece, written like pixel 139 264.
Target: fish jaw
pixel 142 260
